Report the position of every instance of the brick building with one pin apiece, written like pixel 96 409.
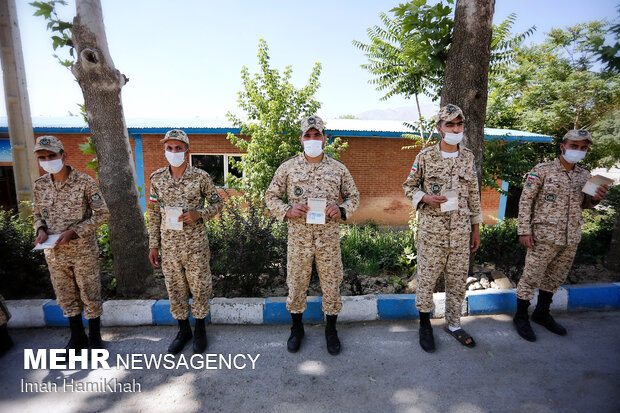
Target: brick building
pixel 375 158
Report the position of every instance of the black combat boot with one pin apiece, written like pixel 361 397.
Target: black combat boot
pixel 331 335
pixel 183 336
pixel 94 334
pixel 78 340
pixel 200 336
pixel 297 333
pixel 522 322
pixel 541 314
pixel 427 341
pixel 5 340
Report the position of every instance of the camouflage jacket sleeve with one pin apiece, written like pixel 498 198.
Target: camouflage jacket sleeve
pixel 275 194
pixel 37 219
pixel 100 212
pixel 154 218
pixel 208 189
pixel 350 194
pixel 475 208
pixel 413 183
pixel 533 184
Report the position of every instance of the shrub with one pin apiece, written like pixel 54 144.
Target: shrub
pixel 23 272
pixel 499 245
pixel 246 243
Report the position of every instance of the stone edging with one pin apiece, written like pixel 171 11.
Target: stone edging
pixel 44 312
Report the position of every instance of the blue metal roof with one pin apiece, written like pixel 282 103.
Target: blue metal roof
pixel 335 127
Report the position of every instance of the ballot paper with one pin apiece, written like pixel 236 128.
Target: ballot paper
pixel 316 215
pixel 50 242
pixel 452 204
pixel 172 218
pixel 593 183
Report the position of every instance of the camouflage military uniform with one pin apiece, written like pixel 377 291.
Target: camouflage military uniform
pixel 443 237
pixel 300 180
pixel 75 204
pixel 5 315
pixel 185 253
pixel 550 210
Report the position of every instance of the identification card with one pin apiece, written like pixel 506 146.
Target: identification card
pixel 50 242
pixel 172 218
pixel 593 183
pixel 452 204
pixel 316 215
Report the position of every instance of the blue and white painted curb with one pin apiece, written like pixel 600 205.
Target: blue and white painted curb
pixel 583 297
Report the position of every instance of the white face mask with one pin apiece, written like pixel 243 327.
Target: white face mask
pixel 453 138
pixel 175 159
pixel 52 167
pixel 313 148
pixel 573 156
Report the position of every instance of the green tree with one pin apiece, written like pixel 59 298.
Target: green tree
pixel 270 135
pixel 550 89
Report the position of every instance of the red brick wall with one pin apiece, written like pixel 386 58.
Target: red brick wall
pixel 379 167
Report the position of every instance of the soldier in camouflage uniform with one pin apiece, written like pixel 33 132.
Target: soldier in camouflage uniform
pixel 185 251
pixel 445 239
pixel 550 228
pixel 69 203
pixel 313 175
pixel 5 340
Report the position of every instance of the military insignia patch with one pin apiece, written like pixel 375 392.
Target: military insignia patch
pixel 45 213
pixel 436 188
pixel 582 132
pixel 95 197
pixel 311 121
pixel 298 191
pixel 451 109
pixel 214 198
pixel 173 134
pixel 531 177
pixel 44 141
pixel 550 197
pixel 414 168
pixel 153 198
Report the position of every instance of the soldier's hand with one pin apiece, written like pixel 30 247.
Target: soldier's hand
pixel 154 257
pixel 41 236
pixel 527 241
pixel 474 239
pixel 600 192
pixel 333 211
pixel 189 217
pixel 434 200
pixel 66 236
pixel 298 210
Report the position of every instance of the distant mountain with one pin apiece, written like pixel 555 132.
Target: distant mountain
pixel 405 113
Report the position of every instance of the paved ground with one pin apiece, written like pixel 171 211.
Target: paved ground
pixel 381 369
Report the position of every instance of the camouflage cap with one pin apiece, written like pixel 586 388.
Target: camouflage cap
pixel 449 112
pixel 578 135
pixel 177 134
pixel 312 122
pixel 48 143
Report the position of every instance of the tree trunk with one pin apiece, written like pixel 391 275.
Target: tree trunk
pixel 101 85
pixel 467 69
pixel 25 166
pixel 612 260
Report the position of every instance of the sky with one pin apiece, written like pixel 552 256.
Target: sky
pixel 184 58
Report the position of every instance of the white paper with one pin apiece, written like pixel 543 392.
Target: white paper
pixel 316 215
pixel 593 183
pixel 172 218
pixel 452 204
pixel 50 242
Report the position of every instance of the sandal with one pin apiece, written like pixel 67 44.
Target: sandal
pixel 461 336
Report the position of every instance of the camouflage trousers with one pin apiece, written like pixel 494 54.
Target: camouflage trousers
pixel 185 264
pixel 546 268
pixel 74 270
pixel 4 312
pixel 435 260
pixel 321 243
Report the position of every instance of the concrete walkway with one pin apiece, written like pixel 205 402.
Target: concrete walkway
pixel 381 369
